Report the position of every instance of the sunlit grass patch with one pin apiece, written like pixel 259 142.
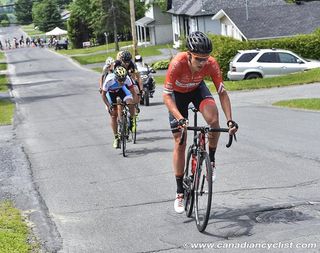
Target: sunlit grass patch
pixel 6 112
pixel 14 232
pixel 303 103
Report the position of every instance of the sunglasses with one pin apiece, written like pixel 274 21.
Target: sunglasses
pixel 121 80
pixel 201 59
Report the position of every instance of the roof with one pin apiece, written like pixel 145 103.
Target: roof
pixel 145 21
pixel 282 21
pixel 210 7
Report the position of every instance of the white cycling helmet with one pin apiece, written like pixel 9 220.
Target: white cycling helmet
pixel 109 61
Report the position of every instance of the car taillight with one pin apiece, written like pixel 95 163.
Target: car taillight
pixel 233 69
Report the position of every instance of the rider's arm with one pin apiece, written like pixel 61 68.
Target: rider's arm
pixel 225 104
pixel 104 98
pixel 223 95
pixel 168 90
pixel 129 83
pixel 171 105
pixel 139 81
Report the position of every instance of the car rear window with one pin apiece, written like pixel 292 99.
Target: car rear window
pixel 269 57
pixel 247 57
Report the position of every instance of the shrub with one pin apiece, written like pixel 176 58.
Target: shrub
pixel 164 64
pixel 225 48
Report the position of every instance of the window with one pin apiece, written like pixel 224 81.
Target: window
pixel 269 57
pixel 246 57
pixel 287 58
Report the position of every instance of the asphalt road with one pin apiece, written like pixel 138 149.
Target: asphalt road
pixel 91 199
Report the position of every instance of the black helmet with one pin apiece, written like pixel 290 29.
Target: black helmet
pixel 198 42
pixel 120 73
pixel 125 56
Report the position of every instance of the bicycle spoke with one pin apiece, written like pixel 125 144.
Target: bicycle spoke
pixel 203 193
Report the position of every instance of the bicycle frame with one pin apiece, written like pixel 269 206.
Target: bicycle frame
pixel 194 180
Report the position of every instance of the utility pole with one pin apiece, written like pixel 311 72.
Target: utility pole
pixel 115 29
pixel 133 27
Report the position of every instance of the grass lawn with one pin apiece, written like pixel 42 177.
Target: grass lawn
pixel 98 58
pixel 310 76
pixel 3 66
pixel 6 112
pixel 90 50
pixel 303 103
pixel 2 56
pixel 29 29
pixel 3 83
pixel 14 233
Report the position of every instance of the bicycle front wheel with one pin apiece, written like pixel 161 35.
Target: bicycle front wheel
pixel 124 131
pixel 188 182
pixel 203 192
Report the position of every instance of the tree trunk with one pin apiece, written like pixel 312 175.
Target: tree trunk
pixel 115 29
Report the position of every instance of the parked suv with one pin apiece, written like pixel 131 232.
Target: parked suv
pixel 259 63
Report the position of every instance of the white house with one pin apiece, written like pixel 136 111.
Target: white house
pixel 154 26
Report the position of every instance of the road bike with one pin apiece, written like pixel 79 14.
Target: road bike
pixel 198 174
pixel 123 125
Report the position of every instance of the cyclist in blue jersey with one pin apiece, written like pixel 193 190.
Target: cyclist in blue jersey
pixel 115 85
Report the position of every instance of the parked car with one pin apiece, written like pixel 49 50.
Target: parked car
pixel 259 63
pixel 61 44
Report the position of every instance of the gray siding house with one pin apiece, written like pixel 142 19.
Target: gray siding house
pixel 193 15
pixel 267 22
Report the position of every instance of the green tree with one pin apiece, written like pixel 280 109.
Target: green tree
pixel 79 29
pixel 46 15
pixel 111 16
pixel 23 10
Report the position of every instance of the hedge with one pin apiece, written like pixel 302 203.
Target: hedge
pixel 307 46
pixel 225 48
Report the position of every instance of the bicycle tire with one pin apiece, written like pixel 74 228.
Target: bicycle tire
pixel 124 135
pixel 188 184
pixel 134 133
pixel 203 192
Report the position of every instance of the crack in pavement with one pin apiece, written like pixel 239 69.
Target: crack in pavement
pixel 307 183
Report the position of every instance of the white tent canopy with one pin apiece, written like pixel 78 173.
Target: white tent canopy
pixel 56 32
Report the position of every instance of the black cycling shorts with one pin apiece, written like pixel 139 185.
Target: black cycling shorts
pixel 183 100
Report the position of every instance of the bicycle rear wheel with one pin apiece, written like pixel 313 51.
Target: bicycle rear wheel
pixel 188 184
pixel 203 192
pixel 124 135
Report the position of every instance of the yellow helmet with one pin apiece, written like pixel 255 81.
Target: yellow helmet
pixel 120 73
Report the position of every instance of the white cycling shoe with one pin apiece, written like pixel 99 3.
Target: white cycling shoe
pixel 179 203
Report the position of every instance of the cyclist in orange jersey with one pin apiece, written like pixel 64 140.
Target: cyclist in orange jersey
pixel 183 85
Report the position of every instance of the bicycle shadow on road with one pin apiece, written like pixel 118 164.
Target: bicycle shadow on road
pixel 27 100
pixel 145 151
pixel 152 139
pixel 232 223
pixel 36 83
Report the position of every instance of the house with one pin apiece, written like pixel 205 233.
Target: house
pixel 154 26
pixel 268 22
pixel 193 15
